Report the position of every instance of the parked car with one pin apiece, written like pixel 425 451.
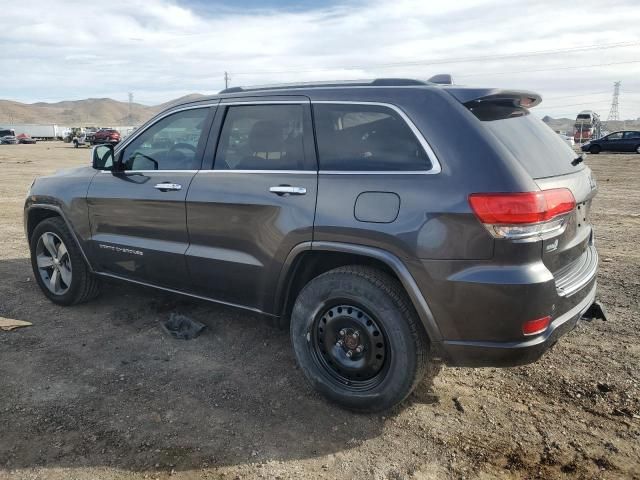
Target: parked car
pixel 624 141
pixel 7 137
pixel 80 140
pixel 106 135
pixel 394 225
pixel 25 139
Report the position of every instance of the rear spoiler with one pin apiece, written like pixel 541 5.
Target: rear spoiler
pixel 473 97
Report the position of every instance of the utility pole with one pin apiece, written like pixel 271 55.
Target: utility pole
pixel 614 115
pixel 130 121
pixel 226 79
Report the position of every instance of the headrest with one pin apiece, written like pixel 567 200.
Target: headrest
pixel 265 136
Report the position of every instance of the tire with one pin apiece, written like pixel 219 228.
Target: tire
pixel 393 354
pixel 75 281
pixel 638 149
pixel 595 149
pixel 75 143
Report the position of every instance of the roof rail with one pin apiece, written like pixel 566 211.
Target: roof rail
pixel 378 82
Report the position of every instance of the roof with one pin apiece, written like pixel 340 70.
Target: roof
pixel 442 82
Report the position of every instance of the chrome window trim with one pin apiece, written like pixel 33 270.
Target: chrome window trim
pixel 150 171
pixel 435 162
pixel 291 172
pixel 268 102
pixel 377 172
pixel 436 166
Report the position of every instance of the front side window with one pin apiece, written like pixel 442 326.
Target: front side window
pixel 615 136
pixel 366 138
pixel 261 137
pixel 169 144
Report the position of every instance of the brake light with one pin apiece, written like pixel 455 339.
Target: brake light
pixel 520 215
pixel 533 327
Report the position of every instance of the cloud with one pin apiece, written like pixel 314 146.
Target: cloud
pixel 160 49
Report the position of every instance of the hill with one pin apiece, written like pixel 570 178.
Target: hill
pixel 566 124
pixel 91 111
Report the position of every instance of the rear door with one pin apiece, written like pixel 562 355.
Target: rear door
pixel 254 202
pixel 631 141
pixel 138 216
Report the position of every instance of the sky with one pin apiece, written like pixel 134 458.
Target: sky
pixel 570 52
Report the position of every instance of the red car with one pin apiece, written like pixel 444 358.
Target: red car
pixel 26 139
pixel 106 135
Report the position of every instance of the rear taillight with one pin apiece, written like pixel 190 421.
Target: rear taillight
pixel 534 327
pixel 522 215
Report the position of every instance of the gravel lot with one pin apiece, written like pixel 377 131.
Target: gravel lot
pixel 100 391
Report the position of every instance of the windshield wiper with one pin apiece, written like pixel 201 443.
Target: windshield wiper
pixel 578 160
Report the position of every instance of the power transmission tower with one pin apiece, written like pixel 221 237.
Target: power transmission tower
pixel 614 116
pixel 226 79
pixel 130 104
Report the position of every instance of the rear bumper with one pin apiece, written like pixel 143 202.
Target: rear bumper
pixel 509 354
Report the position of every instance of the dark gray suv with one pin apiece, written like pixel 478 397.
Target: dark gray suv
pixel 393 224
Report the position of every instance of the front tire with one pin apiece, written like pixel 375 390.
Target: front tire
pixel 58 265
pixel 358 339
pixel 595 149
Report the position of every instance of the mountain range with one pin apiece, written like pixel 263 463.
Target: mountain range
pixel 105 112
pixel 101 112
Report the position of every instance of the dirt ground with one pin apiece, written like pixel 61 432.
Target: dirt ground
pixel 100 391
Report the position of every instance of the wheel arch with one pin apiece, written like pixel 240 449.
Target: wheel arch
pixel 307 261
pixel 38 212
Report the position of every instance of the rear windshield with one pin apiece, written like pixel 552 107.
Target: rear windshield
pixel 539 149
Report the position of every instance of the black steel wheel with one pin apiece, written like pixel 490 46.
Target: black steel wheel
pixel 350 345
pixel 357 338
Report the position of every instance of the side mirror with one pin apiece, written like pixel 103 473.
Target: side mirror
pixel 103 157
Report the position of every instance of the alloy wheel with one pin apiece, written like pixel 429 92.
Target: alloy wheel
pixel 54 263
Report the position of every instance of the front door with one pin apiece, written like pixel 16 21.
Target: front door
pixel 138 216
pixel 613 142
pixel 255 204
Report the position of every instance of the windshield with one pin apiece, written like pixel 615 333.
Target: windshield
pixel 538 148
pixel 4 133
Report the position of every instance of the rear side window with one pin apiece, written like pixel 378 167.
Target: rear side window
pixel 357 137
pixel 261 137
pixel 538 148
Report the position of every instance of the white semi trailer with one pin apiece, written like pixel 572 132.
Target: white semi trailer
pixel 39 131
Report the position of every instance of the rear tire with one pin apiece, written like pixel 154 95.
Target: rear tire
pixel 58 265
pixel 358 339
pixel 595 149
pixel 638 149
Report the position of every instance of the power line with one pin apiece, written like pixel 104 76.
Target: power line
pixel 549 69
pixel 577 95
pixel 447 61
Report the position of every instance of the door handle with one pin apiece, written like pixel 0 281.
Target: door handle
pixel 288 190
pixel 168 187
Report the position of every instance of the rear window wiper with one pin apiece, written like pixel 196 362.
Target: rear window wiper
pixel 578 160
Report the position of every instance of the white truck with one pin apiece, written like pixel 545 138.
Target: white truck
pixel 39 131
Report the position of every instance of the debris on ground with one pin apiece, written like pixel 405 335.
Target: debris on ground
pixel 183 327
pixel 8 324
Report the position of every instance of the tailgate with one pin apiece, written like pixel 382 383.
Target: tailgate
pixel 571 256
